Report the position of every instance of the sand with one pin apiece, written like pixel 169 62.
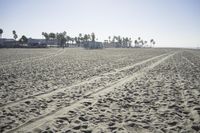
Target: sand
pixel 111 91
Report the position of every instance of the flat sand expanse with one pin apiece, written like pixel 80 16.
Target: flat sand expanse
pixel 100 91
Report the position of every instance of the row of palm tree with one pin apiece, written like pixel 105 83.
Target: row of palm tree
pixel 62 37
pixel 82 40
pixel 64 40
pixel 118 41
pixel 115 41
pixel 125 42
pixel 139 43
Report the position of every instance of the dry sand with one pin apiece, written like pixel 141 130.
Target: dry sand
pixel 123 90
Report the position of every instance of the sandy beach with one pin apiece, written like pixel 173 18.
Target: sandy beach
pixel 94 91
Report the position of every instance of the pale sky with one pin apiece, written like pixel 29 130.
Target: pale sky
pixel 172 23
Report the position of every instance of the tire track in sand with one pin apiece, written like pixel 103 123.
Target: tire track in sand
pixel 194 66
pixel 92 79
pixel 92 97
pixel 189 61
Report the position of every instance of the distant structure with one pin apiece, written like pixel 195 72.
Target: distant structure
pixel 109 44
pixel 8 43
pixel 37 42
pixel 93 45
pixel 42 43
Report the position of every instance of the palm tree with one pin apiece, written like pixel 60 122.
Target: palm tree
pixel 14 34
pixel 68 38
pixel 126 42
pixel 64 33
pixel 130 41
pixel 93 36
pixel 46 36
pixel 152 42
pixel 72 40
pixel 119 44
pixel 89 37
pixel 86 38
pixel 52 36
pixel 114 39
pixel 1 32
pixel 62 38
pixel 76 41
pixel 142 43
pixel 80 38
pixel 23 39
pixel 109 37
pixel 136 43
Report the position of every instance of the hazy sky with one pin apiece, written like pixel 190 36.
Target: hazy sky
pixel 172 23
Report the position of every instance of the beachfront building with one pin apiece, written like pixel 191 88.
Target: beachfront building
pixel 93 45
pixel 42 43
pixel 8 43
